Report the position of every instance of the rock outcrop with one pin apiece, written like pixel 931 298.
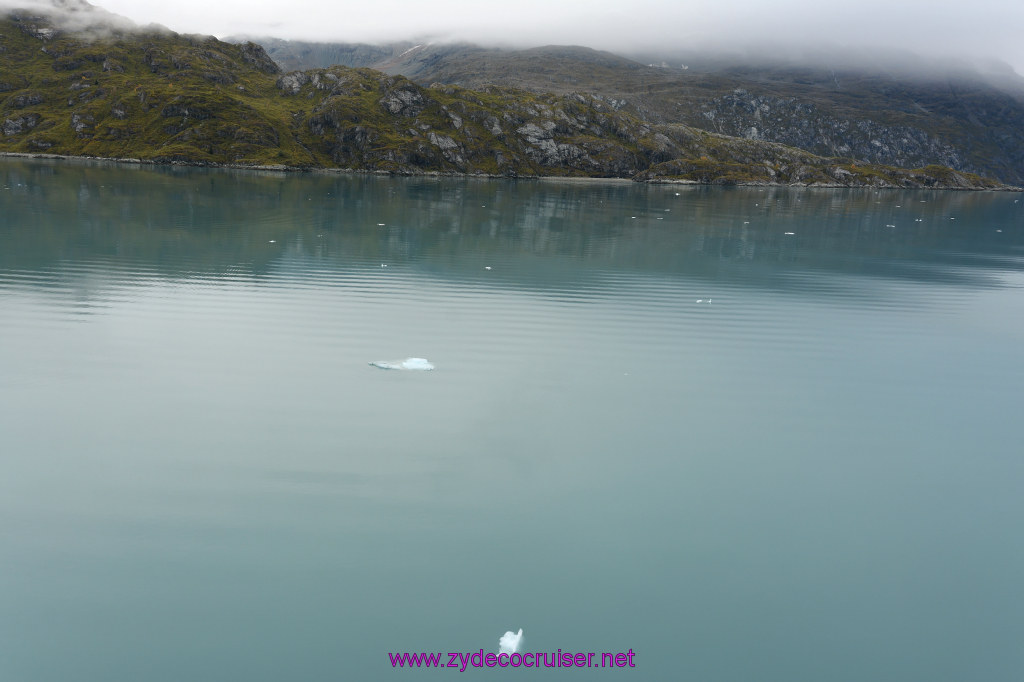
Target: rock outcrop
pixel 880 111
pixel 167 98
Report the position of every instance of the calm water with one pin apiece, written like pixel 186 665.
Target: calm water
pixel 658 422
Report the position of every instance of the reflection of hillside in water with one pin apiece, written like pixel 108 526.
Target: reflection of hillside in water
pixel 171 222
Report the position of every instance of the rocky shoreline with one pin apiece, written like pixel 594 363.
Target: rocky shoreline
pixel 282 168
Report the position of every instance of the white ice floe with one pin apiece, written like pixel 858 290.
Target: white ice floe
pixel 420 364
pixel 509 642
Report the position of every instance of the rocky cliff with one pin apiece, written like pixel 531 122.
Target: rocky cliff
pixel 168 98
pixel 892 110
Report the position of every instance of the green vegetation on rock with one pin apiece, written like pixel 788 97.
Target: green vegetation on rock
pixel 875 106
pixel 168 98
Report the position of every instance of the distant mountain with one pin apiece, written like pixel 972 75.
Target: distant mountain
pixel 293 55
pixel 895 109
pixel 79 83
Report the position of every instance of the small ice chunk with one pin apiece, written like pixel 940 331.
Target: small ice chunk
pixel 419 364
pixel 509 642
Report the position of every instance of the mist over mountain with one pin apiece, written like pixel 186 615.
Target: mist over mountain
pixel 71 15
pixel 888 107
pixel 76 79
pixel 984 29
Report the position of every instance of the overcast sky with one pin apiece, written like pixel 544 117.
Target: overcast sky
pixel 983 28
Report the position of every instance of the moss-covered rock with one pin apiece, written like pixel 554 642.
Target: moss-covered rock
pixel 169 98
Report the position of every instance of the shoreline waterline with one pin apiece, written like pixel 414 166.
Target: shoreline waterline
pixel 282 168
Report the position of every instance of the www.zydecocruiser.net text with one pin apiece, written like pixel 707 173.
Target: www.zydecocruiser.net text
pixel 462 660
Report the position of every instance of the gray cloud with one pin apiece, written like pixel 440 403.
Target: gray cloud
pixel 72 15
pixel 937 28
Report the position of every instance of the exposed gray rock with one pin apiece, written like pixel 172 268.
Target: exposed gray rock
pixel 491 123
pixel 256 57
pixel 455 118
pixel 542 147
pixel 442 141
pixel 14 126
pixel 799 123
pixel 404 100
pixel 292 82
pixel 83 124
pixel 450 149
pixel 40 32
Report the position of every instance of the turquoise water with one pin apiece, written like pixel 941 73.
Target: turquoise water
pixel 657 423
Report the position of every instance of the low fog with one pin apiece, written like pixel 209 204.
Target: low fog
pixel 74 15
pixel 981 31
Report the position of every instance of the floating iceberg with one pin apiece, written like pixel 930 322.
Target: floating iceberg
pixel 420 364
pixel 509 642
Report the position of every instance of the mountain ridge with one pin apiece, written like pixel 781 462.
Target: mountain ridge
pixel 892 109
pixel 157 96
